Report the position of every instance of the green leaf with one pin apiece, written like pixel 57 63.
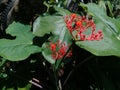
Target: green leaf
pixel 102 5
pixel 47 24
pixel 47 54
pixel 110 8
pixel 22 46
pixel 62 11
pixel 110 45
pixel 54 24
pixel 63 37
pixel 100 15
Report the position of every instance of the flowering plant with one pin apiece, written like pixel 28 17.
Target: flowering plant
pixel 80 24
pixel 63 49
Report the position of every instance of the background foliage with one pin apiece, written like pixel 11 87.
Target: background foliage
pixel 25 57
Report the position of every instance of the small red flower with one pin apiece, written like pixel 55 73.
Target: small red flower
pixel 73 15
pixel 53 46
pixel 81 25
pixel 59 49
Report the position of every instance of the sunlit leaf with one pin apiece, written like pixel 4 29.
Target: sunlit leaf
pixel 47 24
pixel 22 46
pixel 110 45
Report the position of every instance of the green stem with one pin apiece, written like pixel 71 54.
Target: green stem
pixel 64 56
pixel 55 71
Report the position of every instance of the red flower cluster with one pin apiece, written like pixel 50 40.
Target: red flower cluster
pixel 80 25
pixel 59 49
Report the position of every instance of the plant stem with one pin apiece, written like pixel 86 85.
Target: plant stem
pixel 56 77
pixel 55 70
pixel 65 56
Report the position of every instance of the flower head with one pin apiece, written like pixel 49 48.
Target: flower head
pixel 59 49
pixel 53 46
pixel 80 24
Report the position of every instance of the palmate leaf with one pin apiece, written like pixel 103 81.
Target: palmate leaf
pixel 22 46
pixel 110 45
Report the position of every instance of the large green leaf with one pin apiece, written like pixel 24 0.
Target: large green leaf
pixel 47 24
pixel 100 15
pixel 54 24
pixel 21 47
pixel 110 45
pixel 61 11
pixel 63 37
pixel 51 23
